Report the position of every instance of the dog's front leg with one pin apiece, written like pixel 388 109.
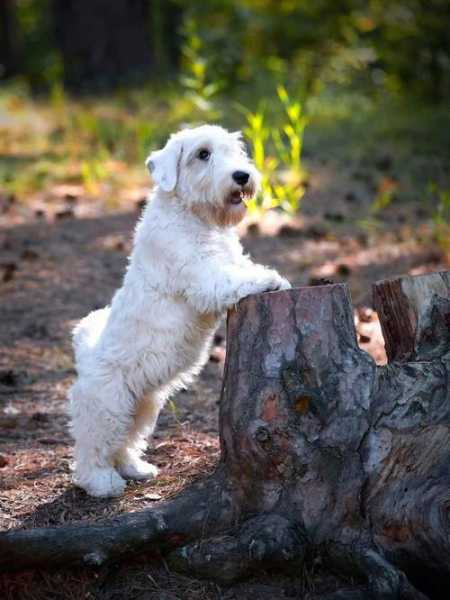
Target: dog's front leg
pixel 220 286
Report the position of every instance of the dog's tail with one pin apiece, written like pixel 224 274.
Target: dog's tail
pixel 87 332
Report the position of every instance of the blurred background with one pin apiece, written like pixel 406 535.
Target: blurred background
pixel 88 87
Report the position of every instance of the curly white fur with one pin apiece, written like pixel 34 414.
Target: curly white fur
pixel 186 268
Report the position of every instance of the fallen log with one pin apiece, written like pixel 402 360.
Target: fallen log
pixel 321 451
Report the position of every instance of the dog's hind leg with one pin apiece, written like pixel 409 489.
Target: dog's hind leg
pixel 128 460
pixel 101 419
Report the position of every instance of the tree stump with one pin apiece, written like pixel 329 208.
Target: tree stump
pixel 321 452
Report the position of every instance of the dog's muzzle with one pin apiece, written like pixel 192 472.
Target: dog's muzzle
pixel 237 196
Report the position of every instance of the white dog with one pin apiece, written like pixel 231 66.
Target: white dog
pixel 187 267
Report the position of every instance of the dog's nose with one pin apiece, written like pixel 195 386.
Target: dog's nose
pixel 241 177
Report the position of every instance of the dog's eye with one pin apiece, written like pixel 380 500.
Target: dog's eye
pixel 203 154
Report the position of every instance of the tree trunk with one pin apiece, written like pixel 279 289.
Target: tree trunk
pixel 166 17
pixel 103 43
pixel 9 40
pixel 321 451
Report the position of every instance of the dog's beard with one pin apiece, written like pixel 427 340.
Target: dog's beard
pixel 230 212
pixel 224 215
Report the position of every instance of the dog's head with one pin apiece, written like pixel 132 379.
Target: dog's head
pixel 208 170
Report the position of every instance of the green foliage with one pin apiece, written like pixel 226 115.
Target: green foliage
pixel 282 171
pixel 199 89
pixel 400 47
pixel 93 172
pixel 384 196
pixel 42 62
pixel 175 411
pixel 412 46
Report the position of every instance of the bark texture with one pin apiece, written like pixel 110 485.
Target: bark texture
pixel 415 316
pixel 321 451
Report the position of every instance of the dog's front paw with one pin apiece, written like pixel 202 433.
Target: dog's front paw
pixel 103 483
pixel 272 283
pixel 284 284
pixel 137 468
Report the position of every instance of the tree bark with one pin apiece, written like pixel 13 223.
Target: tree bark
pixel 9 40
pixel 321 451
pixel 415 316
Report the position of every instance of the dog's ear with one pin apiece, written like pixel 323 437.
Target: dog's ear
pixel 164 165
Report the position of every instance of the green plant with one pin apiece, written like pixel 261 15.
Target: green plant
pixel 385 195
pixel 93 173
pixel 144 131
pixel 195 79
pixel 175 411
pixel 257 133
pixel 283 174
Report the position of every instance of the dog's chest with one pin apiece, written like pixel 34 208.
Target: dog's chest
pixel 197 329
